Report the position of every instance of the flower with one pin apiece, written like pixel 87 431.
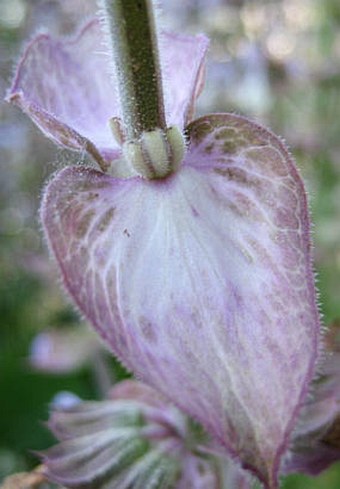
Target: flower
pixel 201 283
pixel 135 439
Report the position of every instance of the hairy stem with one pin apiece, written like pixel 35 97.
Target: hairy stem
pixel 133 39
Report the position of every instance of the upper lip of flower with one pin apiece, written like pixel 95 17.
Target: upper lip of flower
pixel 74 103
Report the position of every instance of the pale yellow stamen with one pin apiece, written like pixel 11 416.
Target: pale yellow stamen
pixel 156 154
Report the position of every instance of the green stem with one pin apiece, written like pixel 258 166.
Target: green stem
pixel 133 39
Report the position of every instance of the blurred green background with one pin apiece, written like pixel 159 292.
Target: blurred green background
pixel 276 61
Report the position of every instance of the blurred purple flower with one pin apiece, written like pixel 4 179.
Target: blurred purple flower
pixel 201 282
pixel 137 440
pixel 63 350
pixel 186 457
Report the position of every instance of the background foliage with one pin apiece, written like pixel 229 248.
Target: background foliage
pixel 277 61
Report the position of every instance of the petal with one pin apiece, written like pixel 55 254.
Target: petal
pixel 82 460
pixel 202 283
pixel 92 417
pixel 312 455
pixel 130 389
pixel 182 62
pixel 316 443
pixel 66 88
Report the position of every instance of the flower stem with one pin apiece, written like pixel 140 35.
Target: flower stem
pixel 133 39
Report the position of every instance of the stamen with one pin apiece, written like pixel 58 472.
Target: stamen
pixel 157 154
pixel 117 130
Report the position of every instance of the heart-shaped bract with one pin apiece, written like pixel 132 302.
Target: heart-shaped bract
pixel 201 283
